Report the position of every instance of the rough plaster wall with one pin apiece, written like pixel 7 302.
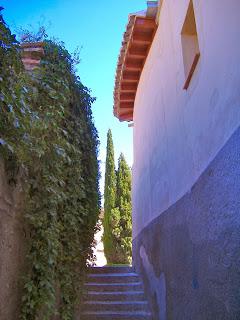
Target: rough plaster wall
pixel 189 256
pixel 12 248
pixel 177 132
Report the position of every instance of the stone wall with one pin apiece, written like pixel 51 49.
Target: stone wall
pixel 13 241
pixel 189 256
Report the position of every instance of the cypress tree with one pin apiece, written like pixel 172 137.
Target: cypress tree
pixel 121 218
pixel 109 200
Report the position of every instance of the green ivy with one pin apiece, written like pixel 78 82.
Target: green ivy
pixel 48 139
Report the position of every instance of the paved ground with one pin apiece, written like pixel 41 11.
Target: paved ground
pixel 99 250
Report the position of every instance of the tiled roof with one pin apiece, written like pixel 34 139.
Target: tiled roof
pixel 136 43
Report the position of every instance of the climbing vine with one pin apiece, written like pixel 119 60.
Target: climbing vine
pixel 48 139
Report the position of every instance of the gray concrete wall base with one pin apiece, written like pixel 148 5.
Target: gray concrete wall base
pixel 189 256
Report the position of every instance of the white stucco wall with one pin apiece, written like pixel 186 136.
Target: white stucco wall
pixel 177 132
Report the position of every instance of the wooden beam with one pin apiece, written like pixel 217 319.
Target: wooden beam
pixel 128 87
pixel 126 105
pixel 126 117
pixel 125 111
pixel 137 51
pixel 189 77
pixel 143 33
pixel 142 37
pixel 142 41
pixel 134 64
pixel 127 96
pixel 131 75
pixel 144 23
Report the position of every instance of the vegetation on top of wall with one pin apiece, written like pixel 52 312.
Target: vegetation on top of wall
pixel 117 209
pixel 48 138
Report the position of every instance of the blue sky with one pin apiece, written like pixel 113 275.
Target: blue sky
pixel 98 27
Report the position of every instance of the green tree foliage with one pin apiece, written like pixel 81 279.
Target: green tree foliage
pixel 49 143
pixel 117 208
pixel 122 214
pixel 109 200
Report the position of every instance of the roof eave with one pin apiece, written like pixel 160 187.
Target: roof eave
pixel 136 44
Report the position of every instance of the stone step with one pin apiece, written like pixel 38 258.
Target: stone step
pixel 115 296
pixel 114 293
pixel 107 315
pixel 115 306
pixel 113 277
pixel 111 269
pixel 116 287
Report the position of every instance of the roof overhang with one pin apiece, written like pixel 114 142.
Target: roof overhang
pixel 136 43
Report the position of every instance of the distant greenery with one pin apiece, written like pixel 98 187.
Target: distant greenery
pixel 49 144
pixel 122 214
pixel 117 209
pixel 109 201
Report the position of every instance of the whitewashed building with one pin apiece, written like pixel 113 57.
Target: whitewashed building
pixel 178 81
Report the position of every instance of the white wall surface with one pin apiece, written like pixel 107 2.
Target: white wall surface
pixel 177 132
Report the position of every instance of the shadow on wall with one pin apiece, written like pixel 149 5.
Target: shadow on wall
pixel 13 247
pixel 189 255
pixel 157 287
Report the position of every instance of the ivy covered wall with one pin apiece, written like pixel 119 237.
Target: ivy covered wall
pixel 49 145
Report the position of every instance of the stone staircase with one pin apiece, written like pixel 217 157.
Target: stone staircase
pixel 114 293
